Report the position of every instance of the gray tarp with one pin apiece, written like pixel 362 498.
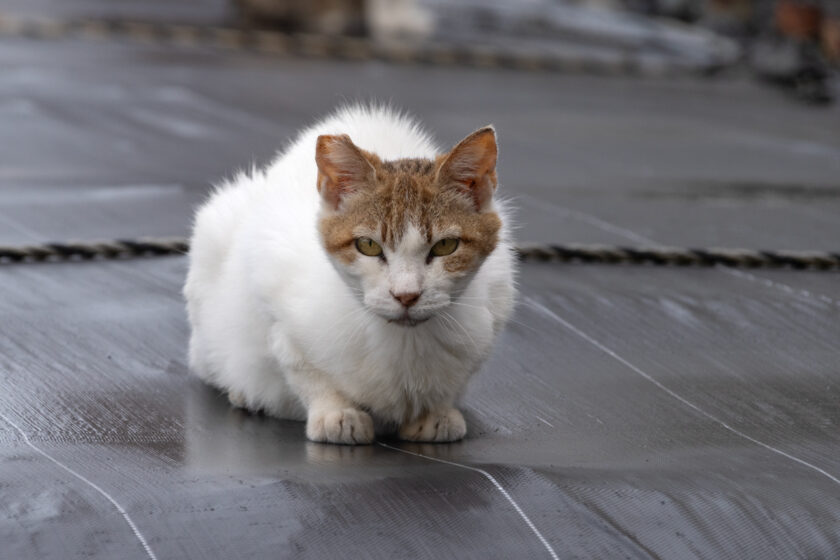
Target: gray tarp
pixel 626 413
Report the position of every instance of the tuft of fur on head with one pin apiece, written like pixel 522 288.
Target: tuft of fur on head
pixel 406 206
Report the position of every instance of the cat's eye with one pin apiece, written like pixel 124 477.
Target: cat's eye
pixel 368 247
pixel 444 247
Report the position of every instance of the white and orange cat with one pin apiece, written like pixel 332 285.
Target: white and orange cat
pixel 362 276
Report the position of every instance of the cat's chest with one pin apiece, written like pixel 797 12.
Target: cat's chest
pixel 434 360
pixel 393 370
pixel 415 373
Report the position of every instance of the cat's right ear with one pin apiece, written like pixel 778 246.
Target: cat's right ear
pixel 342 168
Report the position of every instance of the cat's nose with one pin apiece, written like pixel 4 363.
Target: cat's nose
pixel 407 299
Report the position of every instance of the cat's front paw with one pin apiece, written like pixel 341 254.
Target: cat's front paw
pixel 237 399
pixel 349 426
pixel 437 426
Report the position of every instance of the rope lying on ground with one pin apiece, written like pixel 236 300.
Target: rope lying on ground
pixel 676 256
pixel 335 47
pixel 601 254
pixel 79 251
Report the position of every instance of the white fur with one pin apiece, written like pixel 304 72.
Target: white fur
pixel 276 325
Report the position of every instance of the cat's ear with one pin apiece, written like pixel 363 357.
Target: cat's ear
pixel 342 168
pixel 471 167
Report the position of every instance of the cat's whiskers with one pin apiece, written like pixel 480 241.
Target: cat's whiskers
pixel 445 322
pixel 511 320
pixel 477 298
pixel 460 326
pixel 461 303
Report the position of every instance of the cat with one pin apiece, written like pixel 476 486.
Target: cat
pixel 361 276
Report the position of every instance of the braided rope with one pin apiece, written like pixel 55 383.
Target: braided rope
pixel 324 46
pixel 80 251
pixel 675 256
pixel 600 254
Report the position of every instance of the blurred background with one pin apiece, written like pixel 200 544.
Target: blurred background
pixel 795 42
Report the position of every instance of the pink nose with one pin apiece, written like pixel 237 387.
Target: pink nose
pixel 407 299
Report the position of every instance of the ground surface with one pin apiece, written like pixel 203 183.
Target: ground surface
pixel 626 413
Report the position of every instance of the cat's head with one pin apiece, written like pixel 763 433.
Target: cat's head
pixel 408 235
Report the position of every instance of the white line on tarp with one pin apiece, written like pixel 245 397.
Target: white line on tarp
pixel 107 496
pixel 498 486
pixel 546 311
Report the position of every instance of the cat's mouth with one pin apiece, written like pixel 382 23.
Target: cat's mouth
pixel 407 321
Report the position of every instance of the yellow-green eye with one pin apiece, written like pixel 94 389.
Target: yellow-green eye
pixel 444 247
pixel 368 247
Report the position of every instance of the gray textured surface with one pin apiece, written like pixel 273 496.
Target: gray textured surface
pixel 182 11
pixel 629 412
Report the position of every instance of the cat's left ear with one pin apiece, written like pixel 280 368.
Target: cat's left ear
pixel 471 167
pixel 342 168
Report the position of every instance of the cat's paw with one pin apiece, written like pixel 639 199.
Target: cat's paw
pixel 237 399
pixel 438 426
pixel 349 426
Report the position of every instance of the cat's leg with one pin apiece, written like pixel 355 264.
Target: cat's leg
pixel 254 382
pixel 237 399
pixel 200 366
pixel 439 425
pixel 331 417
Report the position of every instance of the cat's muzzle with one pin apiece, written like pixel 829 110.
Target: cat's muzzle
pixel 408 321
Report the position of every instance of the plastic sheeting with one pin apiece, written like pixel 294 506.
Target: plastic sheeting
pixel 626 412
